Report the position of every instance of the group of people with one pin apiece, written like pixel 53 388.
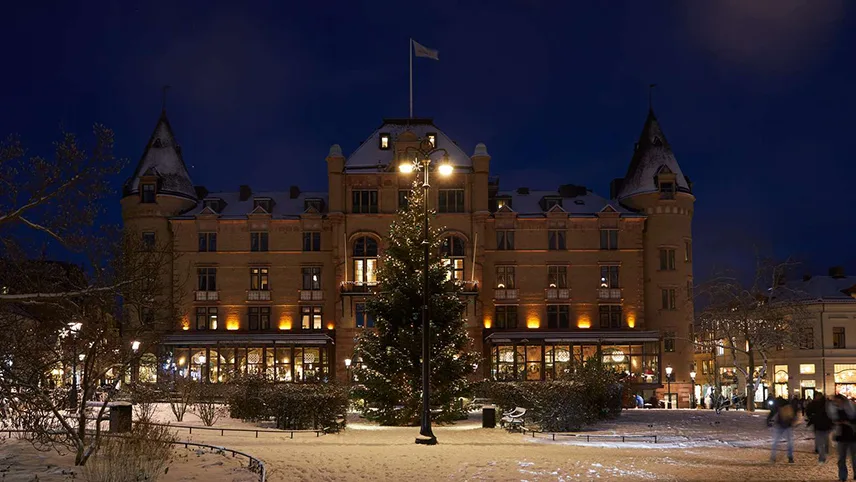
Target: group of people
pixel 836 417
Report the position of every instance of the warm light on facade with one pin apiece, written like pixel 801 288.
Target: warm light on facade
pixel 232 323
pixel 584 321
pixel 185 323
pixel 285 323
pixel 331 325
pixel 631 320
pixel 533 322
pixel 488 322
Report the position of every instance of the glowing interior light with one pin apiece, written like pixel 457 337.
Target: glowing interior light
pixel 446 169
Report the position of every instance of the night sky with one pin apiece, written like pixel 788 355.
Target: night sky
pixel 756 98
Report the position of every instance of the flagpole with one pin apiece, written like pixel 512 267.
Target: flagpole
pixel 410 50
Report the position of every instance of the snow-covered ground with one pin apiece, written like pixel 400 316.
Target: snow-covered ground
pixel 692 445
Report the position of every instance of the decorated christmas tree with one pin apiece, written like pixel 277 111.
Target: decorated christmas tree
pixel 389 372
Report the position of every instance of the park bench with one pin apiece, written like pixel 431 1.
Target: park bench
pixel 513 420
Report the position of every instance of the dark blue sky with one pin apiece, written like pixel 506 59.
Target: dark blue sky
pixel 756 98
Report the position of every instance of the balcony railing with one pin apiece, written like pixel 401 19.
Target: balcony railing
pixel 504 294
pixel 357 287
pixel 469 286
pixel 258 295
pixel 207 296
pixel 609 293
pixel 557 294
pixel 311 295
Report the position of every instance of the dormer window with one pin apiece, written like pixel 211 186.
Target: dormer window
pixel 384 141
pixel 551 202
pixel 667 190
pixel 147 193
pixel 432 138
pixel 315 204
pixel 503 201
pixel 263 203
pixel 212 204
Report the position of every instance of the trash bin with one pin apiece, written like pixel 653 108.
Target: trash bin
pixel 120 417
pixel 488 416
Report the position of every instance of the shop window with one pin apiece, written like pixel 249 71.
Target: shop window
pixel 807 369
pixel 148 369
pixel 609 239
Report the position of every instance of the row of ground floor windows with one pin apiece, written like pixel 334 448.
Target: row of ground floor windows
pixel 550 361
pixel 216 364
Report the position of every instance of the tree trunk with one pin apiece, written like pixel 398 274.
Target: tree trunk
pixel 750 381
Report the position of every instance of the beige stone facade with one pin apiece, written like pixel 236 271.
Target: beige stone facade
pixel 275 281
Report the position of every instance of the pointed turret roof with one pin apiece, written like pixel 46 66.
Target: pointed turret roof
pixel 162 158
pixel 653 153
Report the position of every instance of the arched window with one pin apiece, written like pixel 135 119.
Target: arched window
pixel 365 261
pixel 452 250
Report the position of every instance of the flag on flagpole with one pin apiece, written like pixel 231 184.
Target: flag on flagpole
pixel 423 51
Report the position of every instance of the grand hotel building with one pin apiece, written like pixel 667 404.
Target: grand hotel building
pixel 276 281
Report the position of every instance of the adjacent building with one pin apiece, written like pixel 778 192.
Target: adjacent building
pixel 276 281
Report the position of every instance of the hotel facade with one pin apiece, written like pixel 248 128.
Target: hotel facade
pixel 276 282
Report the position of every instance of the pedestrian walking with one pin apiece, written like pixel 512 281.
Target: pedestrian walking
pixel 817 417
pixel 783 420
pixel 843 414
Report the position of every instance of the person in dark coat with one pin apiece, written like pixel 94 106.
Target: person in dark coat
pixel 783 421
pixel 818 418
pixel 843 414
pixel 775 403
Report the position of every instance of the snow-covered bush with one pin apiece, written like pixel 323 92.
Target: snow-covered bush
pixel 143 455
pixel 246 397
pixel 303 406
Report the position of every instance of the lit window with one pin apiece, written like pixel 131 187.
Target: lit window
pixel 206 318
pixel 503 201
pixel 310 317
pixel 807 369
pixel 311 278
pixel 432 138
pixel 452 252
pixel 365 261
pixel 259 279
pixel 148 193
pixel 384 141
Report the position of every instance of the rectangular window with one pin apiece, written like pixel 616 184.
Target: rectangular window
pixel 259 318
pixel 384 141
pixel 610 316
pixel 206 318
pixel 667 190
pixel 310 317
pixel 363 318
pixel 807 338
pixel 207 242
pixel 149 240
pixel 669 341
pixel 557 276
pixel 556 239
pixel 838 340
pixel 668 298
pixel 667 259
pixel 505 240
pixel 609 277
pixel 259 241
pixel 147 194
pixel 558 316
pixel 311 241
pixel 207 279
pixel 364 201
pixel 432 138
pixel 807 369
pixel 451 201
pixel 403 196
pixel 311 278
pixel 506 316
pixel 688 251
pixel 505 277
pixel 609 239
pixel 259 279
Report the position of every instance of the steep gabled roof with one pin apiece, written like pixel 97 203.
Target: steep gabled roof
pixel 652 154
pixel 162 159
pixel 369 155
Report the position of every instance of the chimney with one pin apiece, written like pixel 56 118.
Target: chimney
pixel 245 192
pixel 294 192
pixel 836 272
pixel 201 192
pixel 522 190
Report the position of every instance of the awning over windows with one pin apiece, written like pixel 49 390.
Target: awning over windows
pixel 574 336
pixel 247 339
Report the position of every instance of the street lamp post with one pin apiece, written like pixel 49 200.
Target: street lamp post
pixel 692 389
pixel 348 369
pixel 669 385
pixel 426 435
pixel 74 328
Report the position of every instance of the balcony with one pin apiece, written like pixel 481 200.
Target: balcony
pixel 609 294
pixel 311 295
pixel 552 294
pixel 500 294
pixel 258 295
pixel 358 287
pixel 207 296
pixel 469 287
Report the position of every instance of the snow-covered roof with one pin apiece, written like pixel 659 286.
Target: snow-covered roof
pixel 284 206
pixel 162 158
pixel 652 153
pixel 584 204
pixel 821 288
pixel 369 155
